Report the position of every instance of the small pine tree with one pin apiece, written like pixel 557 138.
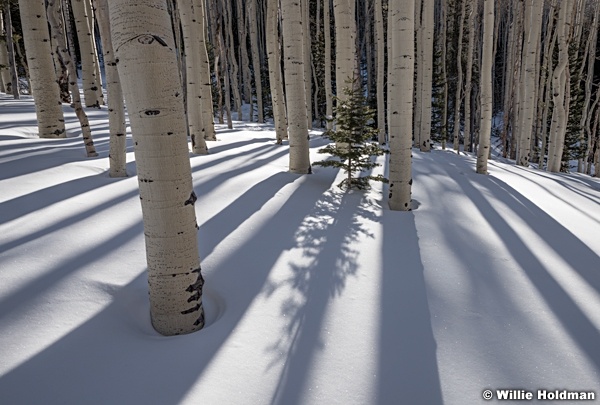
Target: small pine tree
pixel 352 136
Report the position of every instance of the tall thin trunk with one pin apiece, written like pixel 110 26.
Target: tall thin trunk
pixel 328 79
pixel 194 76
pixel 143 40
pixel 380 43
pixel 51 122
pixel 90 81
pixel 468 76
pixel 345 44
pixel 401 73
pixel 274 61
pixel 559 86
pixel 12 64
pixel 294 87
pixel 307 59
pixel 117 156
pixel 58 40
pixel 483 148
pixel 459 77
pixel 256 65
pixel 443 40
pixel 4 63
pixel 426 69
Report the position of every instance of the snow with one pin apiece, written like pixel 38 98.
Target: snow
pixel 313 296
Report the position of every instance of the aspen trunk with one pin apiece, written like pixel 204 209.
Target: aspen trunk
pixel 5 79
pixel 147 62
pixel 51 122
pixel 345 44
pixel 12 64
pixel 483 149
pixel 193 75
pixel 380 43
pixel 400 78
pixel 468 76
pixel 256 66
pixel 274 61
pixel 328 79
pixel 58 39
pixel 426 69
pixel 294 87
pixel 90 81
pixel 459 78
pixel 117 156
pixel 307 59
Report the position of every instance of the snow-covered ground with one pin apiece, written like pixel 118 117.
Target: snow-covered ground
pixel 313 296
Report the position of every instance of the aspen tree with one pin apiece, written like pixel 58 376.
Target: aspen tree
pixel 380 43
pixel 328 79
pixel 143 40
pixel 117 156
pixel 487 96
pixel 252 22
pixel 586 133
pixel 230 53
pixel 12 65
pixel 58 39
pixel 307 59
pixel 530 55
pixel 468 77
pixel 345 43
pixel 459 77
pixel 559 87
pixel 4 62
pixel 400 79
pixel 193 76
pixel 274 61
pixel 87 49
pixel 418 72
pixel 51 122
pixel 294 87
pixel 426 69
pixel 444 34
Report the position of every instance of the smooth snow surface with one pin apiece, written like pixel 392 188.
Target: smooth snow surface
pixel 313 296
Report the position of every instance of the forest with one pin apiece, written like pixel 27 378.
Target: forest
pixel 299 201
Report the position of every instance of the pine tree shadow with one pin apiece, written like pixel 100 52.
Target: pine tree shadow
pixel 327 239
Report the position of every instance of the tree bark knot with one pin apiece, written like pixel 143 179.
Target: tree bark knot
pixel 191 200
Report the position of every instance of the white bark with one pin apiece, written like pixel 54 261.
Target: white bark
pixel 193 76
pixel 528 101
pixel 116 107
pixel 426 69
pixel 459 80
pixel 400 74
pixel 307 60
pixel 294 87
pixel 328 79
pixel 58 40
pixel 483 149
pixel 274 61
pixel 90 81
pixel 253 23
pixel 51 122
pixel 5 79
pixel 206 104
pixel 468 76
pixel 380 43
pixel 345 44
pixel 143 41
pixel 559 83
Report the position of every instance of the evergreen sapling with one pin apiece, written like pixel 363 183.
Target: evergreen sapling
pixel 352 139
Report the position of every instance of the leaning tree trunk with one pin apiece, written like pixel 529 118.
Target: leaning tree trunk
pixel 274 61
pixel 294 87
pixel 90 82
pixel 487 96
pixel 147 62
pixel 51 122
pixel 117 156
pixel 60 44
pixel 400 73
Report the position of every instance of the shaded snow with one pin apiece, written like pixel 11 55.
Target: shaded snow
pixel 313 296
